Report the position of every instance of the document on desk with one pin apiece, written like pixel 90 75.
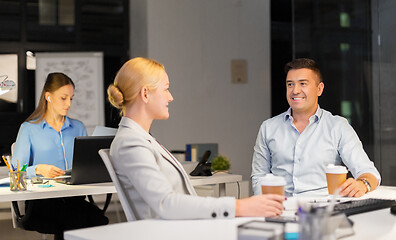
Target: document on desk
pixel 104 131
pixel 385 193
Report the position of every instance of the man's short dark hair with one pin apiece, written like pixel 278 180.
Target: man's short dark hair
pixel 300 63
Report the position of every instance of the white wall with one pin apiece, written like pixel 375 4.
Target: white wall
pixel 196 41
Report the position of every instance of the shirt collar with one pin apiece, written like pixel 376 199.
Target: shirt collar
pixel 67 123
pixel 288 114
pixel 129 123
pixel 318 114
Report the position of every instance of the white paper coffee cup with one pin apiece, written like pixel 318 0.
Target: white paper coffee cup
pixel 271 184
pixel 335 176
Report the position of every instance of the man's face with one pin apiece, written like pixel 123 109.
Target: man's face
pixel 302 90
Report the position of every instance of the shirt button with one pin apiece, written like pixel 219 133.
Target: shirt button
pixel 225 214
pixel 214 215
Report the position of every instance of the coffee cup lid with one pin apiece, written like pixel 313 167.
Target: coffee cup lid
pixel 331 168
pixel 272 180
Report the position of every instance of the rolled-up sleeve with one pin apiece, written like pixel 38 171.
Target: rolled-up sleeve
pixel 352 153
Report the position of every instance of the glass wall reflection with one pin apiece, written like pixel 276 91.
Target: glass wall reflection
pixel 337 34
pixel 353 42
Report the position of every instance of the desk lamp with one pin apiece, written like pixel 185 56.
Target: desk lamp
pixel 6 85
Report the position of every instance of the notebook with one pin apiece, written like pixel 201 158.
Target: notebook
pixel 88 166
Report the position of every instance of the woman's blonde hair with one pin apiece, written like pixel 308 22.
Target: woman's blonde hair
pixel 53 82
pixel 136 73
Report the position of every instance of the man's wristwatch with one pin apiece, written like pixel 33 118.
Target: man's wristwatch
pixel 368 186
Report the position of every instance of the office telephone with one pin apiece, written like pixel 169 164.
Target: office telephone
pixel 203 168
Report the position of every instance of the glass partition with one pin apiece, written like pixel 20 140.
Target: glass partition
pixel 353 42
pixel 384 87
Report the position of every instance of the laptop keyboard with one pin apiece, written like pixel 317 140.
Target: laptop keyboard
pixel 363 205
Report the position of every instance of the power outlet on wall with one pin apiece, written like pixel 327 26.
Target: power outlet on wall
pixel 238 71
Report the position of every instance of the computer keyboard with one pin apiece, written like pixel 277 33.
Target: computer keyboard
pixel 363 205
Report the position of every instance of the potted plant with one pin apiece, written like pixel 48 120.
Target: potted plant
pixel 220 164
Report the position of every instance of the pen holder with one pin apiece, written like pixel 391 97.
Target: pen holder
pixel 18 181
pixel 314 225
pixel 317 224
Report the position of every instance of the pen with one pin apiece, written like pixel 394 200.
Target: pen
pixel 24 167
pixel 8 166
pixel 18 170
pixel 17 182
pixel 323 200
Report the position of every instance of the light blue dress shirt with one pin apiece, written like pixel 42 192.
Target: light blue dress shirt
pixel 41 144
pixel 302 158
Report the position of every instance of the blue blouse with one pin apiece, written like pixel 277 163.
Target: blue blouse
pixel 39 143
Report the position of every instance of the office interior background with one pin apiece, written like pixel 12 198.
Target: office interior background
pixel 352 40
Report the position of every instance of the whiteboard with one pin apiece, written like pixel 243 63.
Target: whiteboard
pixel 86 71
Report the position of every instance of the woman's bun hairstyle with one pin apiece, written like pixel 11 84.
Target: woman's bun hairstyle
pixel 132 76
pixel 116 98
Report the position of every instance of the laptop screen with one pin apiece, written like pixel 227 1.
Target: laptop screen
pixel 88 166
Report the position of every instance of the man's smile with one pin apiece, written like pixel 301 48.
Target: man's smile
pixel 298 98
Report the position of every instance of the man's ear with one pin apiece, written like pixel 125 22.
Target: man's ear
pixel 144 94
pixel 320 88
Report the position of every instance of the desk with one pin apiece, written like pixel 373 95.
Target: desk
pixel 371 225
pixel 63 190
pixel 382 227
pixel 60 190
pixel 219 178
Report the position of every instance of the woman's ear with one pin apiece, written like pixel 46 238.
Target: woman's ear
pixel 46 96
pixel 144 94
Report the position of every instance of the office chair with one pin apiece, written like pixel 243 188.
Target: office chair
pixel 126 205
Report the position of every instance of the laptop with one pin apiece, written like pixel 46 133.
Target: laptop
pixel 88 166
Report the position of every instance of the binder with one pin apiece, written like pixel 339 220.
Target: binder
pixel 195 151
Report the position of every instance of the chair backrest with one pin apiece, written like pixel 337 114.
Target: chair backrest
pixel 12 147
pixel 126 206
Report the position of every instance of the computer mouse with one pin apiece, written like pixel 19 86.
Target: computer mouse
pixel 393 210
pixel 37 180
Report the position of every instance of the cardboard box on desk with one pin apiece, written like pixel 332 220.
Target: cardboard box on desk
pixel 195 151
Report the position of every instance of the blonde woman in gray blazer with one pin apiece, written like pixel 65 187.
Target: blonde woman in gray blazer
pixel 154 181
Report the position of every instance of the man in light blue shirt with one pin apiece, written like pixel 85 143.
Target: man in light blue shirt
pixel 300 143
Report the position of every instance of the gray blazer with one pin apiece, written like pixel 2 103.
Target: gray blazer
pixel 155 183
